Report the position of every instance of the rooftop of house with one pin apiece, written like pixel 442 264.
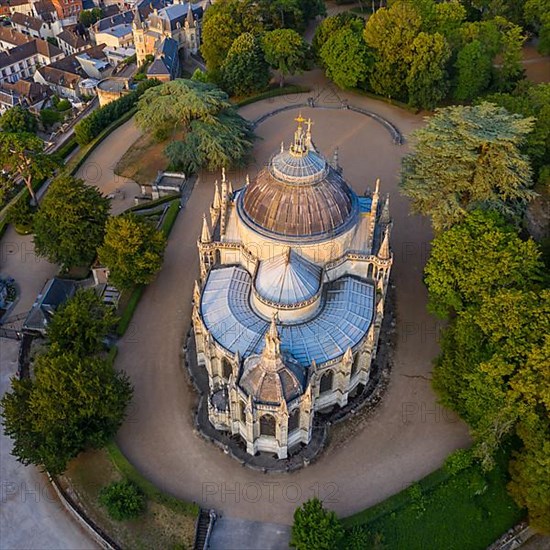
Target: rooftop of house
pixel 28 89
pixel 55 293
pixel 28 49
pixel 72 39
pixel 118 31
pixel 27 21
pixel 124 18
pixel 12 36
pixel 59 77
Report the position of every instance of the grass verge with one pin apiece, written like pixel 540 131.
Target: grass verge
pixel 465 511
pixel 167 522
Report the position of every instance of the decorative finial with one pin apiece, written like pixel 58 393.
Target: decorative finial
pixel 217 200
pixel 247 180
pixel 384 250
pixel 287 255
pixel 377 187
pixel 272 348
pixel 300 146
pixel 223 174
pixel 385 215
pixel 282 146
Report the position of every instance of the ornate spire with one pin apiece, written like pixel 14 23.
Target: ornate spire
pixel 384 250
pixel 385 214
pixel 223 174
pixel 335 163
pixel 190 21
pixel 205 234
pixel 217 199
pixel 272 350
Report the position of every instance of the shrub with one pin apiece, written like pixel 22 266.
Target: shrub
pixel 21 215
pixel 63 105
pixel 123 500
pixel 458 460
pixel 49 117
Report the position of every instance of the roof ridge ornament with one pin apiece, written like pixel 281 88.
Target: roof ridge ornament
pixel 300 147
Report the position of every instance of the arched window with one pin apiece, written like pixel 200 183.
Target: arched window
pixel 242 407
pixel 227 371
pixel 267 425
pixel 369 271
pixel 294 420
pixel 326 382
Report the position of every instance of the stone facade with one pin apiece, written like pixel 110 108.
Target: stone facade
pixel 288 309
pixel 180 22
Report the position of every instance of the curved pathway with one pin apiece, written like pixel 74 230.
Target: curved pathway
pixel 408 437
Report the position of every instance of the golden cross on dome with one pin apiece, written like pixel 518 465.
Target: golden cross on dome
pixel 300 119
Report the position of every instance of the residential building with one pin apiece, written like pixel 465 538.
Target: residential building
pixel 45 10
pixel 22 61
pixel 67 8
pixel 10 38
pixel 117 55
pixel 166 65
pixel 9 7
pixel 72 42
pixel 26 93
pixel 32 26
pixel 94 62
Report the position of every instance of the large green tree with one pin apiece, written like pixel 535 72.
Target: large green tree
pixel 537 14
pixel 285 51
pixel 390 32
pixel 18 120
pixel 70 223
pixel 132 251
pixel 214 135
pixel 467 158
pixel 244 70
pixel 22 156
pixel 427 80
pixel 315 527
pixel 474 259
pixel 474 71
pixel 81 324
pixel 346 57
pixel 72 404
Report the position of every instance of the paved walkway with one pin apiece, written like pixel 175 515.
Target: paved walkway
pixel 31 516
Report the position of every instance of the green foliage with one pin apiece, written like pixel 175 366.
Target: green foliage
pixel 123 500
pixel 81 324
pixel 285 51
pixel 21 215
pixel 474 260
pixel 531 100
pixel 72 404
pixel 474 71
pixel 427 80
pixel 49 117
pixel 23 154
pixel 89 17
pixel 391 33
pixel 346 58
pixel 214 134
pixel 458 460
pixel 18 120
pixel 315 527
pixel 133 250
pixel 453 518
pixel 537 13
pixel 63 105
pixel 89 128
pixel 244 70
pixel 330 25
pixel 70 224
pixel 480 148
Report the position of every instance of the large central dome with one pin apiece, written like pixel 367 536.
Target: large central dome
pixel 298 195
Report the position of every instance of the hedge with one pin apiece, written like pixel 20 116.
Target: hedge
pixel 90 127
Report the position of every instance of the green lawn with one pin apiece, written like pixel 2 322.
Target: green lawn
pixel 467 511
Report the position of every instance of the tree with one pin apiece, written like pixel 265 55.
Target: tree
pixel 81 324
pixel 73 404
pixel 50 117
pixel 123 500
pixel 90 17
pixel 537 14
pixel 474 71
pixel 132 251
pixel 245 70
pixel 22 155
pixel 285 51
pixel 467 158
pixel 473 259
pixel 315 527
pixel 218 34
pixel 214 134
pixel 331 25
pixel 70 224
pixel 18 120
pixel 390 32
pixel 427 80
pixel 511 69
pixel 346 57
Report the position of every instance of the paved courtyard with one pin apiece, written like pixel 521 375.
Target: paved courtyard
pixel 408 437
